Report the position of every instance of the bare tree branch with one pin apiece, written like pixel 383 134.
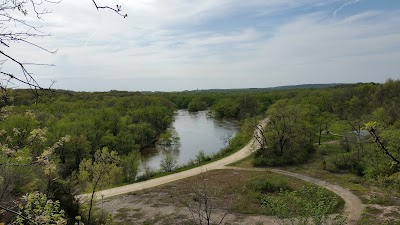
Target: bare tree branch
pixel 117 9
pixel 382 146
pixel 15 30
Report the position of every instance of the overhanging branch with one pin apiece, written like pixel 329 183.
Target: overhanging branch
pixel 382 146
pixel 117 9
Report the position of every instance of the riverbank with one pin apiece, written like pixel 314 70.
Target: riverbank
pixel 236 156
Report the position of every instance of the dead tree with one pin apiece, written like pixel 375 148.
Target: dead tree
pixel 203 201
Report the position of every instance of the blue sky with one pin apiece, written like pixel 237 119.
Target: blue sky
pixel 173 45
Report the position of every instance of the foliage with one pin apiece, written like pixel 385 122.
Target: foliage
pixel 168 138
pixel 127 122
pixel 286 135
pixel 101 171
pixel 124 122
pixel 297 207
pixel 168 162
pixel 38 209
pixel 202 157
pixel 25 160
pixel 269 186
pixel 197 105
pixel 131 163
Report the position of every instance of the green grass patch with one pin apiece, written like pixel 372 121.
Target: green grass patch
pixel 330 138
pixel 244 163
pixel 339 127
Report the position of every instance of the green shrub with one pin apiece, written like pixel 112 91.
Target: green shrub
pixel 297 207
pixel 271 186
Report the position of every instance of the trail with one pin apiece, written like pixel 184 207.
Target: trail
pixel 353 205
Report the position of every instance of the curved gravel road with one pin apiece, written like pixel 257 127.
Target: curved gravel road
pixel 353 206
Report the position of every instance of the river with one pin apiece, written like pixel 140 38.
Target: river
pixel 197 132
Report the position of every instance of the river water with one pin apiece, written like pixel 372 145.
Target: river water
pixel 197 132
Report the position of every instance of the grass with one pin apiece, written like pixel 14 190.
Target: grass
pixel 385 199
pixel 244 163
pixel 122 213
pixel 339 127
pixel 241 191
pixel 330 137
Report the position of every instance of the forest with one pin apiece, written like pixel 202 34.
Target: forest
pixel 57 145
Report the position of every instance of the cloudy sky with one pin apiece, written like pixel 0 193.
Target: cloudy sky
pixel 173 45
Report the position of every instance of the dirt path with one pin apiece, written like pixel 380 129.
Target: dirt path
pixel 353 206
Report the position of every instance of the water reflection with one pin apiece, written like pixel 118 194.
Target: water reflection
pixel 197 132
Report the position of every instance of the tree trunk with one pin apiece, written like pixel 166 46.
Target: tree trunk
pixel 91 199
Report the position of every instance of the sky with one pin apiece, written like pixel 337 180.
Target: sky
pixel 176 45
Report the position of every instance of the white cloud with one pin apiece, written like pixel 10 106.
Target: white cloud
pixel 155 49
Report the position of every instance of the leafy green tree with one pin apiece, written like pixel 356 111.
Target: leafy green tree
pixel 248 106
pixel 104 171
pixel 196 105
pixel 287 139
pixel 168 161
pixel 131 163
pixel 20 125
pixel 226 108
pixel 168 138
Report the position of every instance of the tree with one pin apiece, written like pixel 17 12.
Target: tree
pixel 102 172
pixel 225 108
pixel 16 30
pixel 131 163
pixel 352 113
pixel 196 105
pixel 319 108
pixel 27 165
pixel 248 106
pixel 286 138
pixel 168 161
pixel 203 200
